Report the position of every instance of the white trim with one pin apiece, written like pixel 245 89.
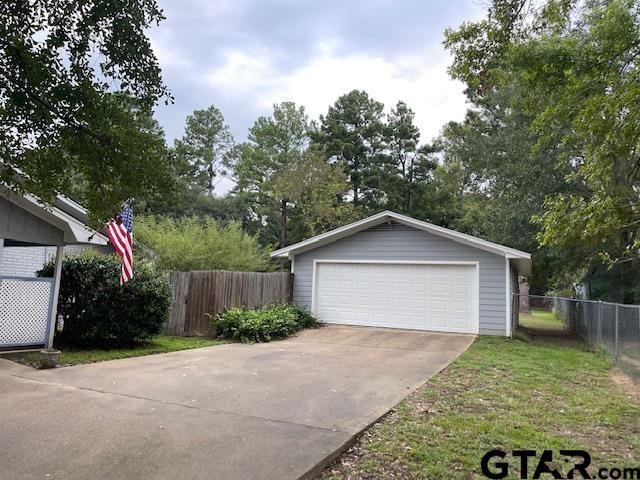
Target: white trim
pixel 293 263
pixel 57 273
pixel 379 218
pixel 316 261
pixel 508 295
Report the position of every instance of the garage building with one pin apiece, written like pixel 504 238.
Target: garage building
pixel 390 270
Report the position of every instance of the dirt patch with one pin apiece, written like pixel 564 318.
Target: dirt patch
pixel 627 385
pixel 350 466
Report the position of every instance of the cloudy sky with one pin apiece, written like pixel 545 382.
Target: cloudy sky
pixel 245 55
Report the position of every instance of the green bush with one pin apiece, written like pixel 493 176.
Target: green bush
pixel 201 244
pixel 262 325
pixel 98 312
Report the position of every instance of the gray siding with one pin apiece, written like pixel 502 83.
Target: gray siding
pixel 20 225
pixel 400 242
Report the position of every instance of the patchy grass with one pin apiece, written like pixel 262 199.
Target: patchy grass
pixel 504 394
pixel 631 351
pixel 161 344
pixel 541 320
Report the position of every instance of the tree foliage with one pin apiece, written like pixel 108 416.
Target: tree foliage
pixel 410 165
pixel 200 243
pixel 60 62
pixel 206 150
pixel 275 144
pixel 316 189
pixel 352 135
pixel 571 74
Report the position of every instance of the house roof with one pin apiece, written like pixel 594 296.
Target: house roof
pixel 64 214
pixel 520 259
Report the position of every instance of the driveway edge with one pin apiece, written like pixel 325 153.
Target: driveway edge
pixel 319 467
pixel 314 471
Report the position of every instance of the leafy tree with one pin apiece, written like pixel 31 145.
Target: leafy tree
pixel 206 149
pixel 411 165
pixel 316 189
pixel 352 134
pixel 493 149
pixel 200 244
pixel 589 78
pixel 574 73
pixel 135 127
pixel 275 143
pixel 478 47
pixel 59 62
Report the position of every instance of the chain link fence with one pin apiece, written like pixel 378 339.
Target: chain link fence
pixel 610 327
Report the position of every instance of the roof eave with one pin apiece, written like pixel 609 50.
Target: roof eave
pixel 522 265
pixel 381 217
pixel 74 230
pixel 330 236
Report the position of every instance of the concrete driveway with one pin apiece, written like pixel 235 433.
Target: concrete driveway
pixel 267 411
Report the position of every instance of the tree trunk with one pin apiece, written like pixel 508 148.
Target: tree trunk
pixel 355 182
pixel 625 271
pixel 626 284
pixel 211 174
pixel 283 223
pixel 408 187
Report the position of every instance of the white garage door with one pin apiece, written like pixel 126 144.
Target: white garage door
pixel 416 296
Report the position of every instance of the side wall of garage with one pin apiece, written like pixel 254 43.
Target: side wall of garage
pixel 396 241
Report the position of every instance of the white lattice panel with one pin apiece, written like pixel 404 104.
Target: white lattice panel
pixel 24 310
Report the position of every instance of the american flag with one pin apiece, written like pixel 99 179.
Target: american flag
pixel 120 232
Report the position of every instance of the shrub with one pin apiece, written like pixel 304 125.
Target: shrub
pixel 262 325
pixel 201 244
pixel 98 312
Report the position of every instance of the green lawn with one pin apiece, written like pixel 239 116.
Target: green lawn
pixel 506 394
pixel 161 344
pixel 540 319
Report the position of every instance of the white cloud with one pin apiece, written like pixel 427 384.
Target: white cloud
pixel 421 82
pixel 243 72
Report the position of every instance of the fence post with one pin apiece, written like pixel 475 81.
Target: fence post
pixel 599 332
pixel 616 331
pixel 599 322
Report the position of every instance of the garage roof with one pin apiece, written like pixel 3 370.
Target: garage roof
pixel 522 260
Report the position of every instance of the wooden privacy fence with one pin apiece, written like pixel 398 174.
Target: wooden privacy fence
pixel 198 293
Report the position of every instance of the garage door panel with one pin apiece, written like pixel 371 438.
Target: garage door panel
pixel 459 323
pixel 400 302
pixel 439 288
pixel 362 300
pixel 416 296
pixel 460 289
pixel 399 287
pixel 439 322
pixel 419 303
pixel 419 287
pixel 439 305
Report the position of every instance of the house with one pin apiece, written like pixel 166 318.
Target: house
pixel 390 270
pixel 28 304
